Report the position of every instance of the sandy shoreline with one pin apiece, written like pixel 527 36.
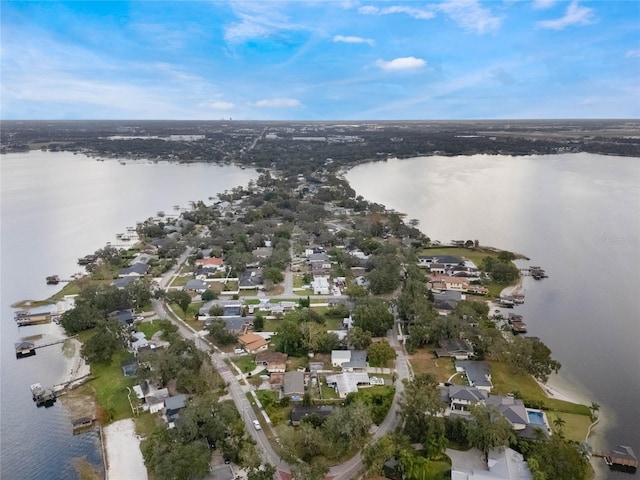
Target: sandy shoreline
pixel 124 459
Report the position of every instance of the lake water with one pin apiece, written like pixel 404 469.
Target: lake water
pixel 578 217
pixel 57 207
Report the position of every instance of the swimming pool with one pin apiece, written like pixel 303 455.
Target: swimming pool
pixel 536 417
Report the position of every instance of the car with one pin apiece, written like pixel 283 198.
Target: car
pixel 256 424
pixel 238 351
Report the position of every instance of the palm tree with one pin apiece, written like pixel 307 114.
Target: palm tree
pixel 594 408
pixel 559 423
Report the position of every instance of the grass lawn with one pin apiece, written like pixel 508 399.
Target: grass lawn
pixel 146 423
pixel 245 363
pixel 271 324
pixel 575 427
pixel 505 380
pixel 297 281
pixel 496 288
pixel 328 392
pixel 149 328
pixel 332 323
pixel 425 361
pixel 180 281
pixel 110 387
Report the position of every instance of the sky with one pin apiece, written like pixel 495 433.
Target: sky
pixel 320 60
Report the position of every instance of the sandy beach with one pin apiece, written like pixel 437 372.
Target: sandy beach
pixel 124 459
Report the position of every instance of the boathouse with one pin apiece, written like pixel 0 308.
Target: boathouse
pixel 25 349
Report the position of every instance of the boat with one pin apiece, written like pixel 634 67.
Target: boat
pixel 53 280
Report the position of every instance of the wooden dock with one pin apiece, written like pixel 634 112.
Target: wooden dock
pixel 622 456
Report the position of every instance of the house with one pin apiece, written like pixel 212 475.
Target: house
pixel 478 373
pixel 172 407
pixel 195 285
pixel 349 360
pixel 262 252
pixel 152 398
pixel 236 325
pixel 298 413
pixel 294 385
pixel 444 282
pixel 252 342
pixel 319 260
pixel 135 270
pixel 214 263
pixel 512 409
pixel 203 273
pixel 232 310
pixel 458 348
pixel 445 302
pixel 124 316
pixel 503 464
pixel 251 278
pixel 137 341
pixel 461 397
pixel 274 362
pixel 320 285
pixel 123 282
pixel 346 383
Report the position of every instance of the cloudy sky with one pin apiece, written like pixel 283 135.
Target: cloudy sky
pixel 320 60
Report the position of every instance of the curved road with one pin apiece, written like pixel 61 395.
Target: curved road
pixel 344 471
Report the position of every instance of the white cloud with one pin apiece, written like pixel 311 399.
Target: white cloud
pixel 574 15
pixel 417 13
pixel 257 20
pixel 219 105
pixel 471 16
pixel 402 63
pixel 543 4
pixel 632 54
pixel 278 102
pixel 349 39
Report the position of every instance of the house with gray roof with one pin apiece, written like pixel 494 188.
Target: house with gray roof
pixel 350 360
pixel 195 285
pixel 512 409
pixel 173 405
pixel 123 282
pixel 294 385
pixel 461 397
pixel 478 373
pixel 348 382
pixel 457 348
pixel 135 270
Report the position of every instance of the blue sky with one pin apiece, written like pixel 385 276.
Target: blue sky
pixel 320 60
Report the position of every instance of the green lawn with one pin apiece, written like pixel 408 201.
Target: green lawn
pixel 476 256
pixel 245 363
pixel 180 281
pixel 505 380
pixel 110 387
pixel 146 423
pixel 149 328
pixel 575 427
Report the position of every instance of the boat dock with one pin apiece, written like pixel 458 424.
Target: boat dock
pixel 24 317
pixel 517 324
pixel 42 395
pixel 536 272
pixel 622 456
pixel 27 348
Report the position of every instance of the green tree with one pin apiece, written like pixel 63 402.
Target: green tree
pixel 381 354
pixel 376 454
pixel 420 404
pixel 106 341
pixel 373 315
pixel 258 323
pixel 209 295
pixel 385 276
pixel 183 299
pixel 357 338
pixel 273 275
pixel 222 336
pixel 559 459
pixel 289 338
pixel 265 472
pixel 488 429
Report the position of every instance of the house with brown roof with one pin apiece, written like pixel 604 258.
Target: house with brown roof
pixel 252 342
pixel 274 362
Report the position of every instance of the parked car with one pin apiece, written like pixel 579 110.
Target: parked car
pixel 256 424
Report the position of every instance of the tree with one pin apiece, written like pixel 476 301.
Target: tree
pixel 209 295
pixel 103 344
pixel 289 338
pixel 385 276
pixel 376 454
pixel 218 330
pixel 355 291
pixel 558 459
pixel 488 429
pixel 559 423
pixel 357 338
pixel 420 403
pixel 216 311
pixel 273 275
pixel 182 298
pixel 266 472
pixel 373 315
pixel 380 354
pixel 258 323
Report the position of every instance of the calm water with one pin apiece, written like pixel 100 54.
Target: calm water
pixel 577 216
pixel 57 207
